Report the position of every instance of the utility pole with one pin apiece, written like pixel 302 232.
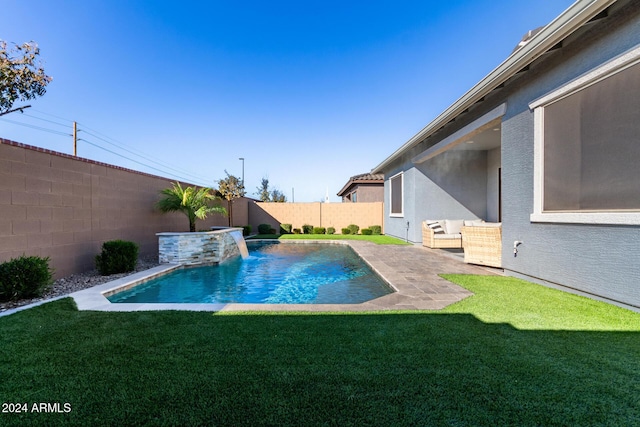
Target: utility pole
pixel 75 139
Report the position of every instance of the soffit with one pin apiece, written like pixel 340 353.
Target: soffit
pixel 548 38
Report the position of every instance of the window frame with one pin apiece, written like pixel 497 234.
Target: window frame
pixel 602 72
pixel 399 175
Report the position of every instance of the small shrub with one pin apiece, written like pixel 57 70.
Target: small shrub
pixel 354 228
pixel 331 230
pixel 24 277
pixel 319 230
pixel 307 229
pixel 285 228
pixel 272 231
pixel 246 230
pixel 296 231
pixel 264 229
pixel 118 256
pixel 376 229
pixel 346 231
pixel 366 231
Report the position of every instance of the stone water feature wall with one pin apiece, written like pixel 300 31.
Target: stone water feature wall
pixel 208 247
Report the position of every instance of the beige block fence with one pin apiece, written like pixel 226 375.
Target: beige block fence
pixel 336 215
pixel 64 207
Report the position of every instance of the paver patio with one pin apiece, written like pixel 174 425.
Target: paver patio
pixel 412 270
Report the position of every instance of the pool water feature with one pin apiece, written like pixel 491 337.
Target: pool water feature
pixel 242 244
pixel 273 273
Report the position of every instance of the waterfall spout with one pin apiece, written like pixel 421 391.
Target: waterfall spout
pixel 242 245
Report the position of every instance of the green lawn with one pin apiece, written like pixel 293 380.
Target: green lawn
pixel 513 354
pixel 379 239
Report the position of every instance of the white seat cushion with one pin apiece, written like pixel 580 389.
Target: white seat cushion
pixel 447 236
pixel 453 226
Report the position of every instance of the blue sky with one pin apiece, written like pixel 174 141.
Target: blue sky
pixel 309 93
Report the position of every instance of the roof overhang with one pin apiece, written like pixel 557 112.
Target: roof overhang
pixel 477 126
pixel 560 28
pixel 353 182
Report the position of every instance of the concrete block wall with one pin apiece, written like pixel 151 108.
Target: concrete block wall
pixel 64 207
pixel 337 215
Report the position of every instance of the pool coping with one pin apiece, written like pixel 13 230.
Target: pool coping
pixel 414 287
pixel 413 271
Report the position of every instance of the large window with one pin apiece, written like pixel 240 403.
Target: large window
pixel 397 204
pixel 588 147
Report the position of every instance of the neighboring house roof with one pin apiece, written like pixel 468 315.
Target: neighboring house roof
pixel 536 44
pixel 364 178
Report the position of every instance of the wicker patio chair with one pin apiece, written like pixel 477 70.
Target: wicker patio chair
pixel 482 244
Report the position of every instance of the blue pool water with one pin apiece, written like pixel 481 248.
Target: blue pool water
pixel 274 273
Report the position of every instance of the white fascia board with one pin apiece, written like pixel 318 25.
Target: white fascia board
pixel 566 23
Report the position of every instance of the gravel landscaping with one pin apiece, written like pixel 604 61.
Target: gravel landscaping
pixel 77 282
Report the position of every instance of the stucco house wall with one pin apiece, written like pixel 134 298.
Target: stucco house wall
pixel 596 259
pixel 363 188
pixel 366 193
pixel 446 186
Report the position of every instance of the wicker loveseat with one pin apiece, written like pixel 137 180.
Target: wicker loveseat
pixel 482 243
pixel 444 233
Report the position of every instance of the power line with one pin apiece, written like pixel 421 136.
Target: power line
pixel 56 132
pixel 140 154
pixel 104 138
pixel 52 115
pixel 47 120
pixel 133 160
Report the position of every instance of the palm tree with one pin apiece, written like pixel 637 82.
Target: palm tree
pixel 194 202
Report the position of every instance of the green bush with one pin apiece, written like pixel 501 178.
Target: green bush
pixel 346 231
pixel 264 229
pixel 331 230
pixel 285 228
pixel 354 228
pixel 246 230
pixel 24 277
pixel 376 229
pixel 296 231
pixel 366 231
pixel 319 230
pixel 307 229
pixel 118 256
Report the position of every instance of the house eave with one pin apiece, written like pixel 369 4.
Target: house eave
pixel 352 184
pixel 546 39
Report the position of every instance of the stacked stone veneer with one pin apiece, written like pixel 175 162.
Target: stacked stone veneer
pixel 209 247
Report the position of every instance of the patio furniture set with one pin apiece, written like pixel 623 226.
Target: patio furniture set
pixel 480 240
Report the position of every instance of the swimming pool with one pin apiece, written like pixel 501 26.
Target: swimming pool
pixel 274 273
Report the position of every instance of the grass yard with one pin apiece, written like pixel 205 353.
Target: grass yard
pixel 378 239
pixel 515 353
